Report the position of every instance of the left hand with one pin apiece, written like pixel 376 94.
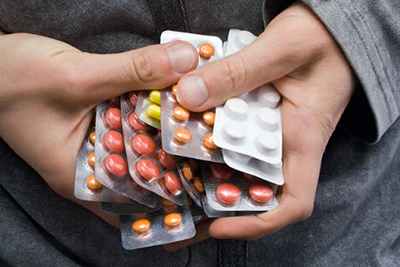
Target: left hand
pixel 297 54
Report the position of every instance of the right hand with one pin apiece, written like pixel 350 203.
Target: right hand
pixel 48 90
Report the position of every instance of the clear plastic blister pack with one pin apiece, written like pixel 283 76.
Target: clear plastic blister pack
pixel 190 174
pixel 185 133
pixel 111 165
pixel 125 208
pixel 229 190
pixel 148 108
pixel 172 223
pixel 149 165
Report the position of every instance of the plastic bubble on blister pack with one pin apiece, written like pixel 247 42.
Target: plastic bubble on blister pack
pixel 148 108
pixel 185 133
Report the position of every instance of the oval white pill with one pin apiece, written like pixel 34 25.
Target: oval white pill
pixel 245 38
pixel 267 141
pixel 268 96
pixel 239 157
pixel 236 108
pixel 267 119
pixel 234 130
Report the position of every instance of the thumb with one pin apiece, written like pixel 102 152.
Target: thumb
pixel 101 77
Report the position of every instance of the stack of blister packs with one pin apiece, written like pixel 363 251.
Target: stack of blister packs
pixel 163 168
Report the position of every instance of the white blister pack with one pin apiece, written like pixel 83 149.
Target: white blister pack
pixel 237 40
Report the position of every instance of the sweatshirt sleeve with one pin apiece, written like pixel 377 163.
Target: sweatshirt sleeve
pixel 369 35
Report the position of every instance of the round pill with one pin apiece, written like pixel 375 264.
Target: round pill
pixel 267 141
pixel 133 98
pixel 116 165
pixel 234 130
pixel 154 111
pixel 209 142
pixel 268 96
pixel 143 144
pixel 198 184
pixel 183 135
pixel 92 137
pixel 155 97
pixel 221 171
pixel 174 88
pixel 260 193
pixel 206 50
pixel 167 160
pixel 113 118
pixel 136 123
pixel 147 169
pixel 173 219
pixel 93 183
pixel 187 171
pixel 141 225
pixel 91 159
pixel 228 193
pixel 236 108
pixel 267 119
pixel 209 117
pixel 173 183
pixel 181 113
pixel 245 38
pixel 114 141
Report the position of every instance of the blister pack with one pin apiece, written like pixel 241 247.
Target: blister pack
pixel 190 174
pixel 111 165
pixel 229 190
pixel 148 108
pixel 237 40
pixel 149 165
pixel 125 208
pixel 185 133
pixel 170 224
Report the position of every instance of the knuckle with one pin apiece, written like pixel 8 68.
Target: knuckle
pixel 141 68
pixel 235 72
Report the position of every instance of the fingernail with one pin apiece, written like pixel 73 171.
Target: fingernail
pixel 193 91
pixel 182 57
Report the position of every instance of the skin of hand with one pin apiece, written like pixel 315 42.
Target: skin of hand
pixel 297 54
pixel 48 90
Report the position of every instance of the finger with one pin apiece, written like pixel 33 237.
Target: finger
pixel 201 234
pixel 268 58
pixel 101 77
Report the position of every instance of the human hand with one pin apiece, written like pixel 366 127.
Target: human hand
pixel 297 54
pixel 48 90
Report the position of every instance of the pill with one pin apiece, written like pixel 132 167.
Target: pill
pixel 167 160
pixel 187 172
pixel 209 117
pixel 173 183
pixel 136 123
pixel 154 111
pixel 198 184
pixel 173 219
pixel 93 183
pixel 244 38
pixel 92 137
pixel 114 141
pixel 267 119
pixel 234 130
pixel 260 193
pixel 155 97
pixel 147 169
pixel 221 171
pixel 133 98
pixel 228 193
pixel 268 96
pixel 209 142
pixel 167 202
pixel 236 108
pixel 181 113
pixel 174 88
pixel 116 165
pixel 143 144
pixel 206 50
pixel 113 118
pixel 115 101
pixel 141 225
pixel 267 141
pixel 91 159
pixel 183 135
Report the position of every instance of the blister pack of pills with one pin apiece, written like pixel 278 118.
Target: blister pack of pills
pixel 111 165
pixel 229 190
pixel 237 40
pixel 185 133
pixel 149 165
pixel 190 174
pixel 125 208
pixel 172 223
pixel 148 108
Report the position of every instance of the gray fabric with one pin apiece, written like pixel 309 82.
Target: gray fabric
pixel 356 221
